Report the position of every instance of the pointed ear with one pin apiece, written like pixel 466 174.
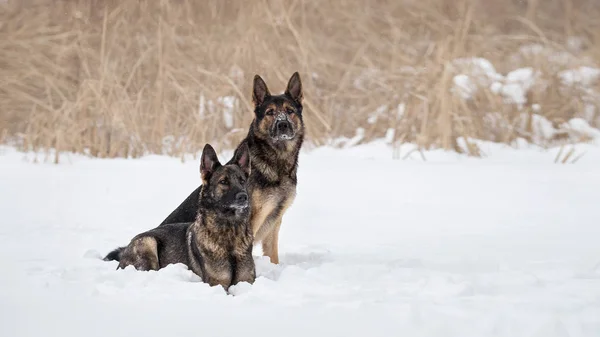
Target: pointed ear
pixel 294 88
pixel 209 162
pixel 242 158
pixel 260 92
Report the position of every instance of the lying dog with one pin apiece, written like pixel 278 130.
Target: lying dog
pixel 217 246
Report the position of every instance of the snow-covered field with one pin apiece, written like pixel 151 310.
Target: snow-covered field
pixel 508 245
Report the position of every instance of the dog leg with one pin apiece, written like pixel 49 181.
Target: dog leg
pixel 142 253
pixel 217 272
pixel 245 268
pixel 271 243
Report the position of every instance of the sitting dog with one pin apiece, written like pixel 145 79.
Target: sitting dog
pixel 217 246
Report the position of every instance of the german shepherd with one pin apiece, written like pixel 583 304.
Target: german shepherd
pixel 217 245
pixel 274 138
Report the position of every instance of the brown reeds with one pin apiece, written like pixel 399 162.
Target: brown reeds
pixel 127 78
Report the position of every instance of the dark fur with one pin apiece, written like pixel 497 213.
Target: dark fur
pixel 217 245
pixel 273 180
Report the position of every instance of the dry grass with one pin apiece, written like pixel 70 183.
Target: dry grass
pixel 126 78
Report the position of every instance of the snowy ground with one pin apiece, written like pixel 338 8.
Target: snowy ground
pixel 503 246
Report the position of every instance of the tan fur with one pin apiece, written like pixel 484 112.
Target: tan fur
pixel 268 208
pixel 145 244
pixel 219 245
pixel 218 274
pixel 265 125
pixel 148 245
pixel 142 253
pixel 263 205
pixel 270 245
pixel 287 105
pixel 274 149
pixel 269 172
pixel 271 106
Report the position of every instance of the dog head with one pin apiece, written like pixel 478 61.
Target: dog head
pixel 278 118
pixel 225 188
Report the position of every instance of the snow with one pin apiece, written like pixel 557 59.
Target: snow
pixel 475 73
pixel 389 135
pixel 380 111
pixel 228 103
pixel 465 87
pixel 358 137
pixel 582 126
pixel 575 43
pixel 478 67
pixel 201 107
pixel 506 245
pixel 517 83
pixel 542 128
pixel 401 109
pixel 584 76
pixel 555 56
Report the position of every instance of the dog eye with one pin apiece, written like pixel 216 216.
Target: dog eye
pixel 290 111
pixel 223 182
pixel 269 112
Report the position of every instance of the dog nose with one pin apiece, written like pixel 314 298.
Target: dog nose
pixel 283 125
pixel 241 197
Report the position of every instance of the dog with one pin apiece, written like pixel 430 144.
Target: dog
pixel 217 245
pixel 274 138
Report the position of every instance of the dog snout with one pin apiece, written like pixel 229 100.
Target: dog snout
pixel 241 197
pixel 283 126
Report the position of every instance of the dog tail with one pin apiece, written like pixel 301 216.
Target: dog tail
pixel 114 255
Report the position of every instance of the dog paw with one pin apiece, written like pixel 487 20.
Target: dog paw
pixel 239 288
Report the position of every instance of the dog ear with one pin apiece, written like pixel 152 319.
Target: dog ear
pixel 294 88
pixel 242 158
pixel 209 162
pixel 260 92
